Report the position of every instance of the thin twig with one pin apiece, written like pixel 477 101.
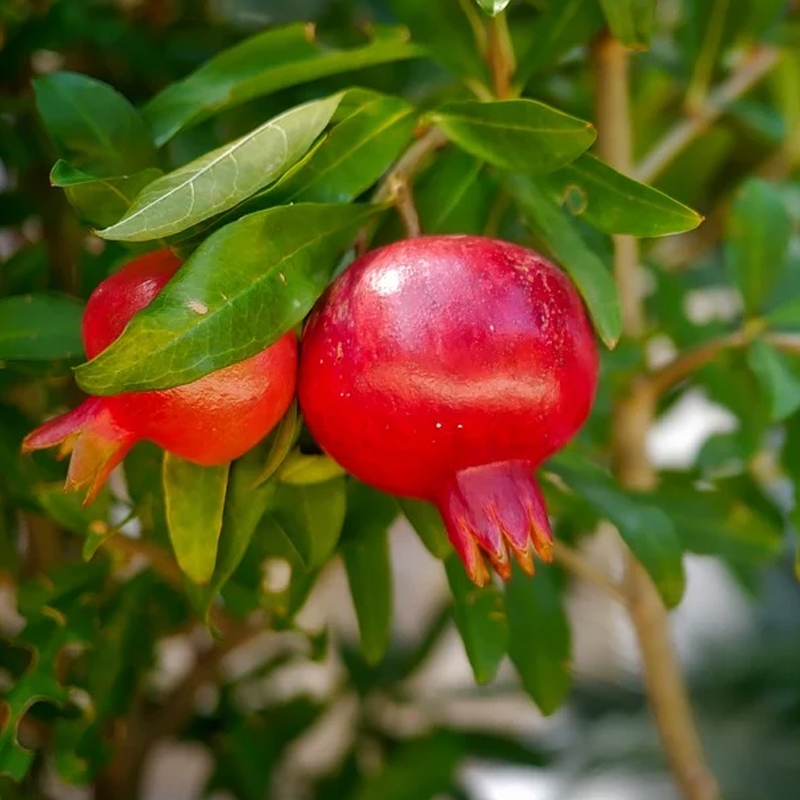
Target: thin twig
pixel 752 70
pixel 573 561
pixel 404 204
pixel 502 61
pixel 633 416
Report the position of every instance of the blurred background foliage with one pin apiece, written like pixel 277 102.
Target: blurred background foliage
pixel 104 664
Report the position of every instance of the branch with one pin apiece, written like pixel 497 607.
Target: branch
pixel 633 416
pixel 573 561
pixel 743 79
pixel 502 60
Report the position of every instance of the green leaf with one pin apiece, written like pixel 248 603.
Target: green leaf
pixel 614 203
pixel 559 28
pixel 195 499
pixel 591 276
pixel 245 504
pixel 493 6
pixel 427 522
pixel 312 516
pixel 521 135
pixel 777 377
pixel 100 201
pixel 480 618
pixel 365 551
pixel 631 21
pixel 221 179
pixel 758 234
pixel 299 468
pixel 539 637
pixel 280 441
pixel 644 527
pixel 785 315
pixel 260 65
pixel 254 280
pixel 93 126
pixel 40 327
pixel 352 157
pixel 458 50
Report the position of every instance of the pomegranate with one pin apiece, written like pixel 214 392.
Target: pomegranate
pixel 447 368
pixel 209 421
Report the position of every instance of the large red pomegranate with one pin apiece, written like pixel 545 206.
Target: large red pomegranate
pixel 209 421
pixel 447 368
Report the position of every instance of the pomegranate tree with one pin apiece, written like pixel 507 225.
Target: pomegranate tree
pixel 447 368
pixel 210 421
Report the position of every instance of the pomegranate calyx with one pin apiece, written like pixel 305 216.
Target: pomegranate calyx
pixel 496 510
pixel 93 439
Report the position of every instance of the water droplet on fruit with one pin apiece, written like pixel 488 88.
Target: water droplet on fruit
pixel 438 424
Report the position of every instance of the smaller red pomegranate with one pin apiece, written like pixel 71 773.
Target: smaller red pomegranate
pixel 210 421
pixel 447 368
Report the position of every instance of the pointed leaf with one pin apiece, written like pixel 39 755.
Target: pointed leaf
pixel 426 521
pixel 93 126
pixel 299 468
pixel 312 515
pixel 100 201
pixel 242 289
pixel 352 157
pixel 644 527
pixel 777 377
pixel 591 276
pixel 480 618
pixel 224 177
pixel 40 327
pixel 614 203
pixel 281 441
pixel 262 64
pixel 540 643
pixel 365 551
pixel 195 499
pixel 631 21
pixel 245 504
pixel 759 230
pixel 521 135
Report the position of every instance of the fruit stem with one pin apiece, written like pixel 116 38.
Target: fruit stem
pixel 633 417
pixel 404 205
pixel 586 571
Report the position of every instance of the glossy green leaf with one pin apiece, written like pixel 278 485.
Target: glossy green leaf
pixel 36 327
pixel 245 504
pixel 93 126
pixel 559 28
pixel 352 157
pixel 480 618
pixel 100 201
pixel 260 65
pixel 280 443
pixel 644 527
pixel 520 135
pixel 312 515
pixel 591 276
pixel 242 289
pixel 540 642
pixel 458 50
pixel 759 230
pixel 778 378
pixel 614 203
pixel 299 468
pixel 365 551
pixel 493 6
pixel 221 179
pixel 631 21
pixel 195 500
pixel 427 522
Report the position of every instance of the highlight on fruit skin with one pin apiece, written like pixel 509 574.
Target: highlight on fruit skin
pixel 210 421
pixel 447 368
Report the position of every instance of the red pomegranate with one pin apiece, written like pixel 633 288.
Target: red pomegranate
pixel 447 368
pixel 209 421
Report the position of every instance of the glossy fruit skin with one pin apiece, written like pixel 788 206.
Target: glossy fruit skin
pixel 449 367
pixel 210 421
